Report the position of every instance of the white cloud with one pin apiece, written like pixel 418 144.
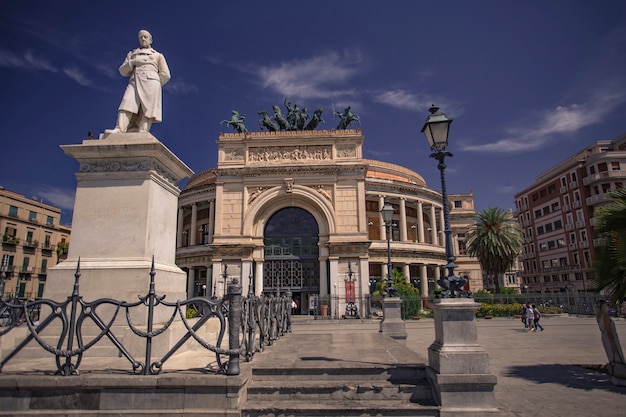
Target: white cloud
pixel 58 197
pixel 316 77
pixel 180 87
pixel 27 61
pixel 553 124
pixel 76 75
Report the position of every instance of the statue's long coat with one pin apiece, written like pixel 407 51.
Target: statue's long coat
pixel 148 74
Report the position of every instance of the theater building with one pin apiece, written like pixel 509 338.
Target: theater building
pixel 300 211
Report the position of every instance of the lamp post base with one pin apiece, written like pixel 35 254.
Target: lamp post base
pixel 392 323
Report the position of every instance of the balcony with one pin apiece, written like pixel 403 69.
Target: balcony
pixel 10 240
pixel 598 198
pixel 573 246
pixel 583 244
pixel 573 185
pixel 569 227
pixel 601 241
pixel 577 204
pixel 563 189
pixel 580 224
pixel 31 243
pixel 590 179
pixel 566 207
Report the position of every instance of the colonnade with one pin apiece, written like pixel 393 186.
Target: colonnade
pixel 197 232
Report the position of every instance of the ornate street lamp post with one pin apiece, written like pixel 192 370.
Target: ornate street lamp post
pixel 387 213
pixel 436 131
pixel 225 278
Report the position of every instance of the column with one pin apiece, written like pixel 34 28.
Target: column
pixel 442 228
pixel 179 227
pixel 258 278
pixel 437 274
pixel 383 229
pixel 334 288
pixel 193 231
pixel 403 237
pixel 217 278
pixel 433 226
pixel 246 273
pixel 191 277
pixel 420 221
pixel 211 220
pixel 424 285
pixel 406 270
pixel 324 290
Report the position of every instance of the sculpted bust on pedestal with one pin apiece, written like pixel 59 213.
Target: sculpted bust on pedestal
pixel 141 103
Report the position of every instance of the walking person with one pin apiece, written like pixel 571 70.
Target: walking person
pixel 524 318
pixel 536 317
pixel 530 318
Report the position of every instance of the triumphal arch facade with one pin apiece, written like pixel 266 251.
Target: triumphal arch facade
pixel 300 211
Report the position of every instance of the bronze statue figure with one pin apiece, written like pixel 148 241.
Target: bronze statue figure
pixel 236 122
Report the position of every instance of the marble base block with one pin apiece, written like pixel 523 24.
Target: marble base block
pixel 392 323
pixel 458 366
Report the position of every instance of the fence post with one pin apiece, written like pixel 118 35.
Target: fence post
pixel 234 325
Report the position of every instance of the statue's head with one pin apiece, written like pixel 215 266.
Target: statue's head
pixel 145 38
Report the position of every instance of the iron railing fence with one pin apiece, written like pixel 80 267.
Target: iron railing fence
pixel 252 323
pixel 574 302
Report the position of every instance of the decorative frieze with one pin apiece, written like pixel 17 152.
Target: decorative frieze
pixel 346 151
pixel 302 153
pixel 136 165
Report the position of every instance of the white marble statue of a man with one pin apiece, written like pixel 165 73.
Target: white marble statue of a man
pixel 141 104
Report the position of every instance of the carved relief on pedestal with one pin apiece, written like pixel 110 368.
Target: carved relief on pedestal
pixel 290 153
pixel 346 151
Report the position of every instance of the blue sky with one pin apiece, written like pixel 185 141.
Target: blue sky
pixel 528 83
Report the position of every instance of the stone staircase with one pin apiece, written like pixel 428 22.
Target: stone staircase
pixel 400 390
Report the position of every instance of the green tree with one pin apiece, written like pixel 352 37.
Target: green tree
pixel 496 240
pixel 399 282
pixel 610 260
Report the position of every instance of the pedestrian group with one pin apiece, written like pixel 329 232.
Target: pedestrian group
pixel 531 317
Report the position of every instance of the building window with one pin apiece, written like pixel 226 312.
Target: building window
pixel 44 266
pixel 537 214
pixel 12 211
pixel 548 227
pixel 558 225
pixel 32 216
pixel 592 170
pixel 50 221
pixel 573 177
pixel 540 230
pixel 615 166
pixel 458 204
pixel 563 181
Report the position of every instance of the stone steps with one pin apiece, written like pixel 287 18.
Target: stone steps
pixel 401 390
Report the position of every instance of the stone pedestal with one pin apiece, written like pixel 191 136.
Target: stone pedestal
pixel 458 366
pixel 124 214
pixel 392 323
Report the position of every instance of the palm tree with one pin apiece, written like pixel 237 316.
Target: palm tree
pixel 496 240
pixel 610 262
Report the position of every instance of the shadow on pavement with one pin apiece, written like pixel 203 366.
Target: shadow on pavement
pixel 572 376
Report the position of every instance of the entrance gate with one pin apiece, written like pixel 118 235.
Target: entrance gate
pixel 291 253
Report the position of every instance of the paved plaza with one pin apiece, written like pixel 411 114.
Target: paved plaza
pixel 539 373
pixel 547 374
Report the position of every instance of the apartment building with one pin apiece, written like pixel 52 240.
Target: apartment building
pixel 32 241
pixel 557 217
